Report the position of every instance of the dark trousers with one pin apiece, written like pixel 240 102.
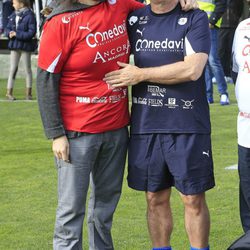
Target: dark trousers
pixel 225 42
pixel 244 174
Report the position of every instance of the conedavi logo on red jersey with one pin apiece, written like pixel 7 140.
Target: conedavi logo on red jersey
pixel 99 38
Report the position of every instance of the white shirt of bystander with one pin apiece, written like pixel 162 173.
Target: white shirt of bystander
pixel 241 65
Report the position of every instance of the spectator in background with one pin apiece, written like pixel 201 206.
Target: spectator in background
pixel 241 72
pixel 248 3
pixel 246 11
pixel 1 17
pixel 7 10
pixel 230 20
pixel 215 10
pixel 45 12
pixel 21 29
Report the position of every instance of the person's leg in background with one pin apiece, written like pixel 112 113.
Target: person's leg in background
pixel 26 56
pixel 225 43
pixel 106 186
pixel 244 175
pixel 14 61
pixel 217 69
pixel 209 84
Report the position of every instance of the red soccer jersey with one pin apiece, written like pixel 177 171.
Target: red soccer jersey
pixel 83 46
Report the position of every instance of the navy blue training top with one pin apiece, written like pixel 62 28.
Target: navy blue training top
pixel 160 39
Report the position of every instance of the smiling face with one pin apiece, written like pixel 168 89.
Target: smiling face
pixel 17 5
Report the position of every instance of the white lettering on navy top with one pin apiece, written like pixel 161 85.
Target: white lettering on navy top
pixel 165 39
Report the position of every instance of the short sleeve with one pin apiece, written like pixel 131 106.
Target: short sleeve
pixel 197 39
pixel 54 46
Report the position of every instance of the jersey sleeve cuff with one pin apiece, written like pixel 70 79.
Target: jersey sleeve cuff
pixel 56 132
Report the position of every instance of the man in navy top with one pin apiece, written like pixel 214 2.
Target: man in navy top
pixel 170 141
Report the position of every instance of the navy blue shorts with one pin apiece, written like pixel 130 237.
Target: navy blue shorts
pixel 159 161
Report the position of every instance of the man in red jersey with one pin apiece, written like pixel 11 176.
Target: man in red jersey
pixel 86 119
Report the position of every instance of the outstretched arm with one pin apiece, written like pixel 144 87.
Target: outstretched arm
pixel 188 70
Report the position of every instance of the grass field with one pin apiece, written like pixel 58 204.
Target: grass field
pixel 28 185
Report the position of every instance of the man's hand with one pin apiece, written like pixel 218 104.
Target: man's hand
pixel 12 34
pixel 60 148
pixel 128 75
pixel 189 4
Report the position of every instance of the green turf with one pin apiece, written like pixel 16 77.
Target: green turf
pixel 28 184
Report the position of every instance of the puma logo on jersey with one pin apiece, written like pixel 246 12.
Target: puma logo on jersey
pixel 85 27
pixel 206 153
pixel 248 38
pixel 140 32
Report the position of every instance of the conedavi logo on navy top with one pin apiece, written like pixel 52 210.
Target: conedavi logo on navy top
pixel 162 45
pixel 146 44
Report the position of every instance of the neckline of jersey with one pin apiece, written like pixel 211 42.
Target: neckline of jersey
pixel 177 7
